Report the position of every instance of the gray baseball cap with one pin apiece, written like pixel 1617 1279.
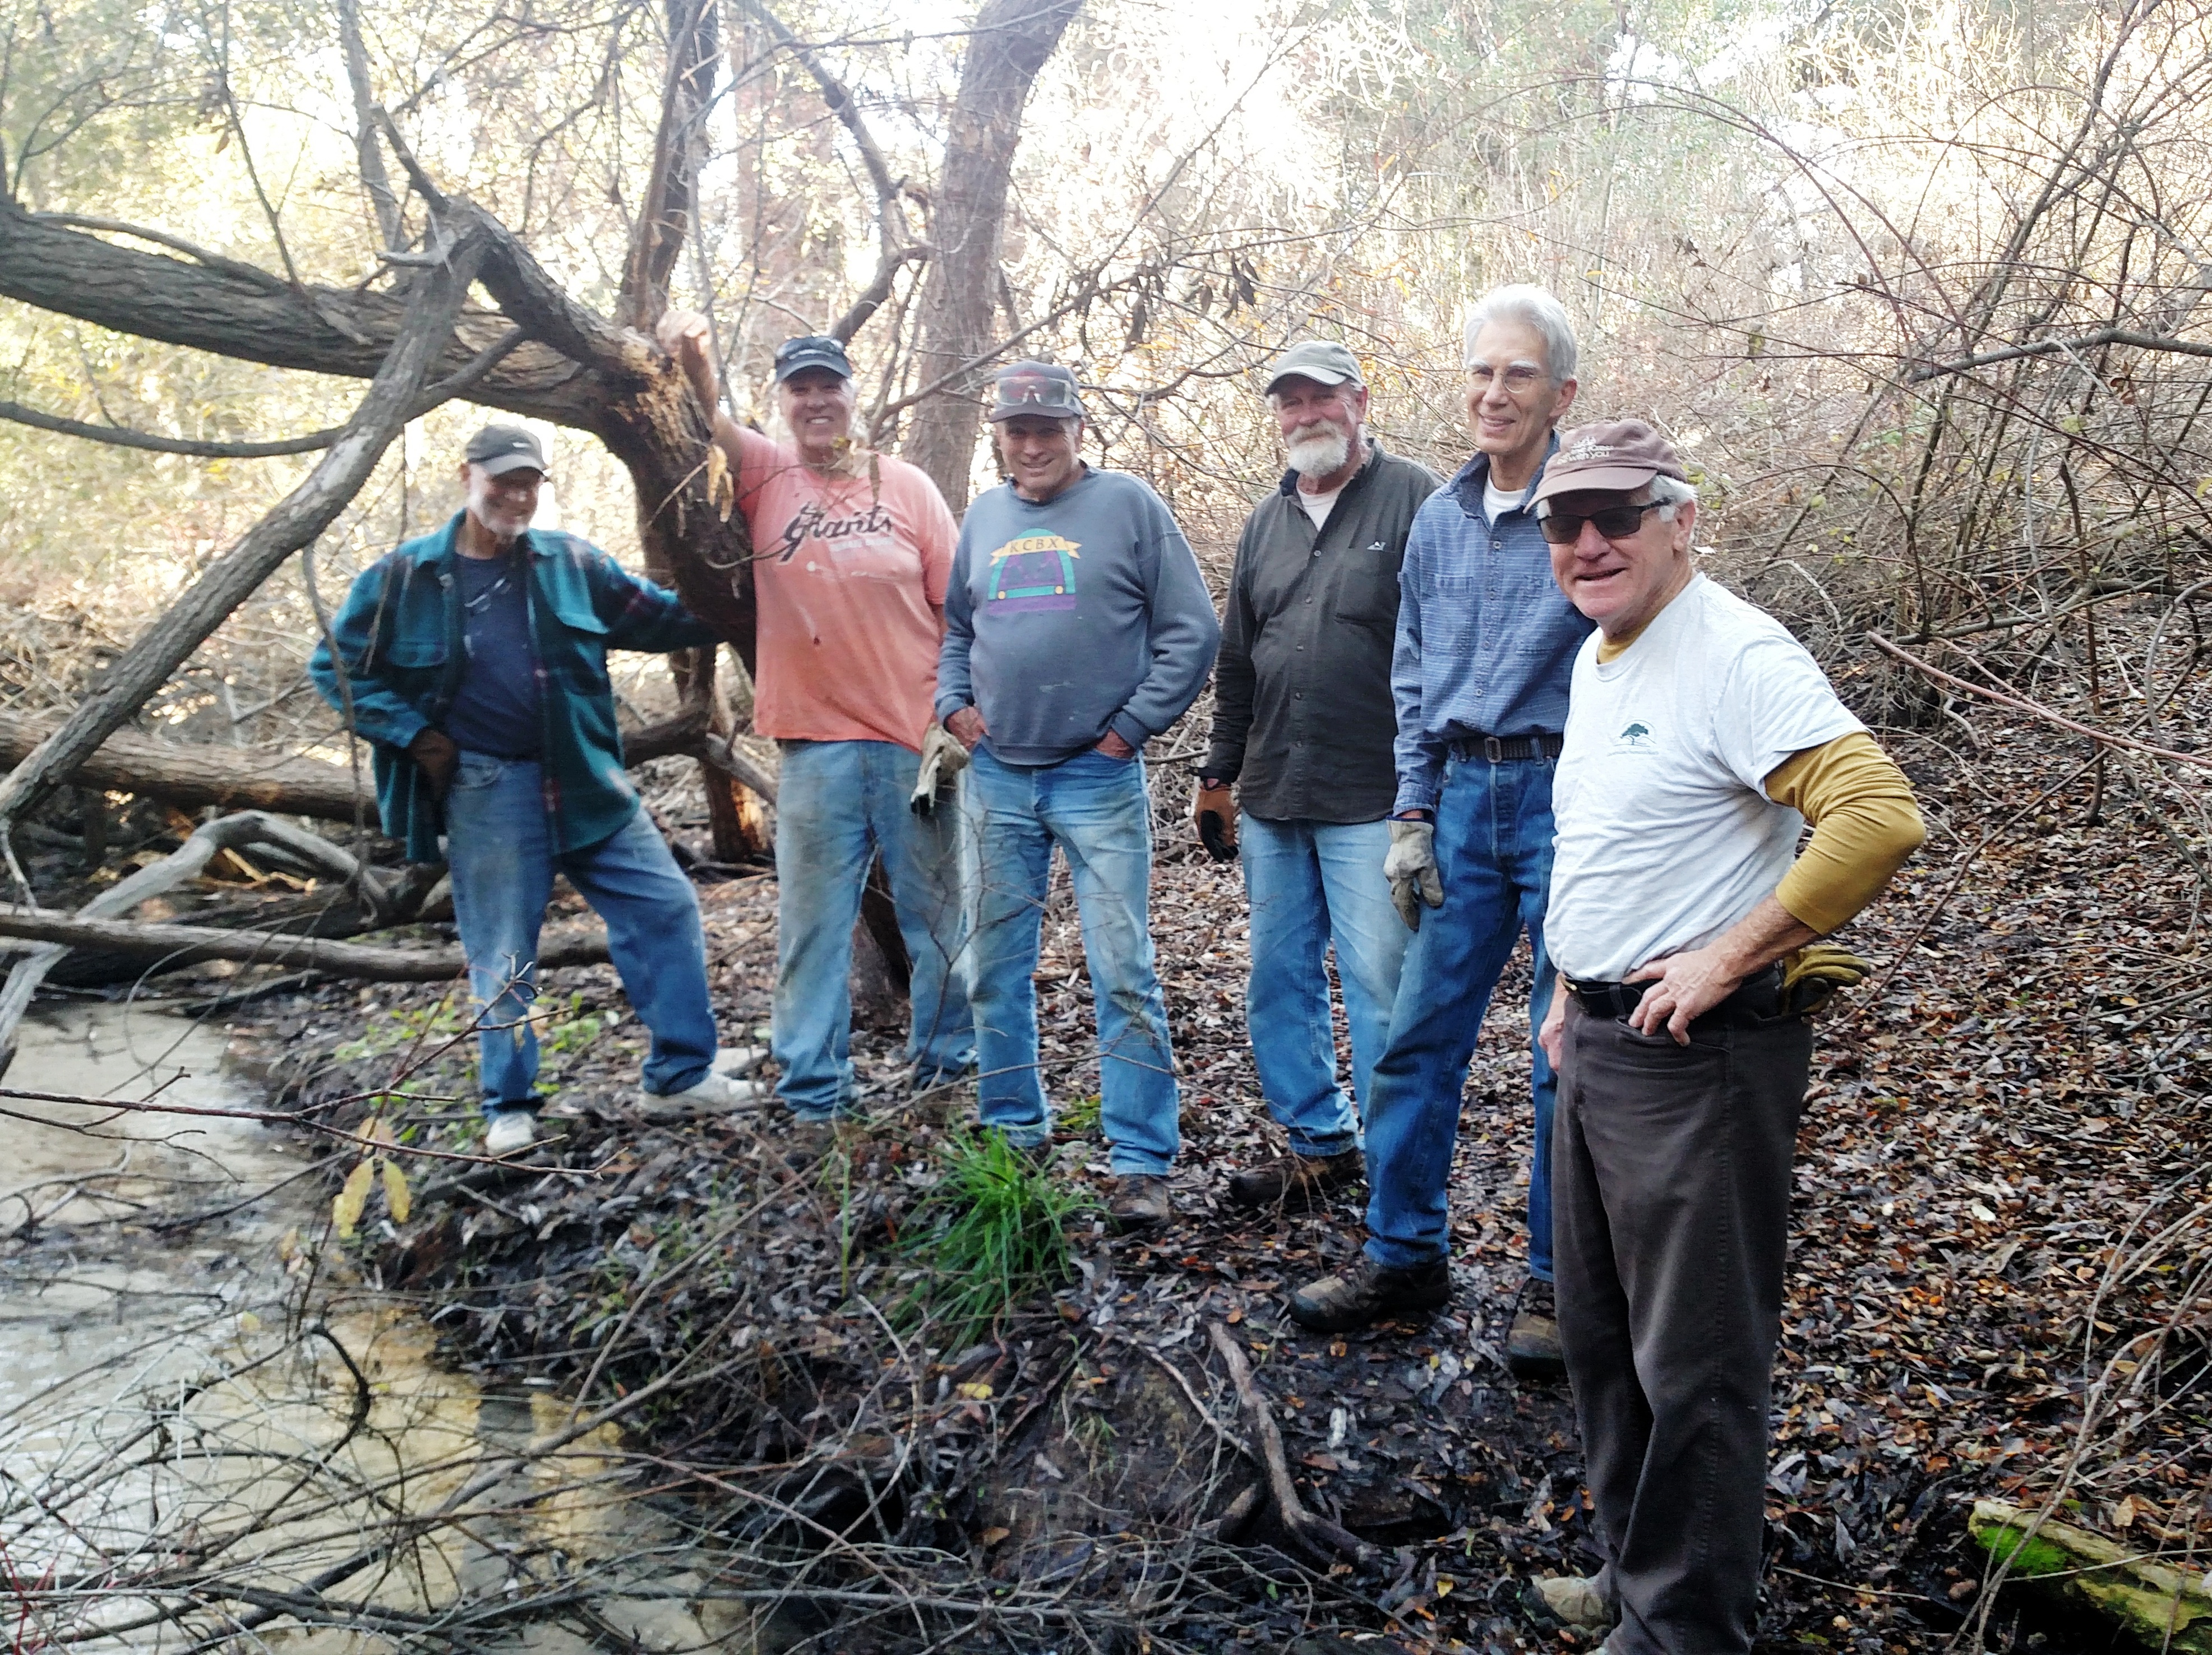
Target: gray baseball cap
pixel 503 448
pixel 1044 388
pixel 1324 363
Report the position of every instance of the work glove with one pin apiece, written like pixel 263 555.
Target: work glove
pixel 1411 868
pixel 943 758
pixel 437 755
pixel 1215 814
pixel 1813 974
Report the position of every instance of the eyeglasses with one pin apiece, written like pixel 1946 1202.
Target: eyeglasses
pixel 1520 378
pixel 1615 522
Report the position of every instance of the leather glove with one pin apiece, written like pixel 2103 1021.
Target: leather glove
pixel 943 758
pixel 1215 813
pixel 1411 868
pixel 437 755
pixel 1815 972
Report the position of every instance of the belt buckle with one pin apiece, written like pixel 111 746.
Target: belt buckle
pixel 1493 749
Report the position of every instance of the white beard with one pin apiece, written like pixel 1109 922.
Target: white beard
pixel 1317 455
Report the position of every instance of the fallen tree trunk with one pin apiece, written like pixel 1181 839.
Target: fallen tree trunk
pixel 189 944
pixel 2159 1605
pixel 193 774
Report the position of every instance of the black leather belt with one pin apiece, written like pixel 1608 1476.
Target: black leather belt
pixel 1504 749
pixel 1755 998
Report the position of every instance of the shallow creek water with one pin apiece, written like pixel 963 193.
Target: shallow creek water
pixel 196 1420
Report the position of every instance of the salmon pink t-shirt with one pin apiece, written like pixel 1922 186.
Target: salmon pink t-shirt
pixel 848 573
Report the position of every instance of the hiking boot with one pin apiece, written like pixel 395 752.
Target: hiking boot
pixel 1532 1343
pixel 510 1130
pixel 1140 1201
pixel 711 1093
pixel 1367 1292
pixel 1576 1600
pixel 1296 1183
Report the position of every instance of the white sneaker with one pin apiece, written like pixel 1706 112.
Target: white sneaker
pixel 709 1093
pixel 511 1129
pixel 735 1060
pixel 1576 1599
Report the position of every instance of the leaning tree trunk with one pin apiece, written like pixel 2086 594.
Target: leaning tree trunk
pixel 1012 41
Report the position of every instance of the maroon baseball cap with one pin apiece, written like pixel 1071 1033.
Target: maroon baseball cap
pixel 1616 454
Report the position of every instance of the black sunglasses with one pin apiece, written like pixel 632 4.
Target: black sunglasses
pixel 1615 522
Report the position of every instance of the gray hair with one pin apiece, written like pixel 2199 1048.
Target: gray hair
pixel 1669 492
pixel 1523 301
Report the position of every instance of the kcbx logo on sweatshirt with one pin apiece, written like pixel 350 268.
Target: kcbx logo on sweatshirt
pixel 1634 737
pixel 1035 570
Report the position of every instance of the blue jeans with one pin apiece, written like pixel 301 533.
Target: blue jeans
pixel 1494 852
pixel 1308 883
pixel 1096 810
pixel 839 805
pixel 499 850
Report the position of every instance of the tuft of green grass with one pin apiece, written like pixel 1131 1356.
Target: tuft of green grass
pixel 992 1233
pixel 1081 1116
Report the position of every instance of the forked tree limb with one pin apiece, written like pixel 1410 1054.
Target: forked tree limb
pixel 189 943
pixel 302 516
pixel 1313 1531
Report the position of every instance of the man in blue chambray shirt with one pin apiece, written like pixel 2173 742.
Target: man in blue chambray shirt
pixel 1486 647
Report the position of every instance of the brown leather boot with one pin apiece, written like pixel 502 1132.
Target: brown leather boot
pixel 1367 1292
pixel 1296 1183
pixel 1140 1201
pixel 1532 1343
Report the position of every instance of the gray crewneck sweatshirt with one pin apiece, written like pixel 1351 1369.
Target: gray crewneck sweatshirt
pixel 1066 619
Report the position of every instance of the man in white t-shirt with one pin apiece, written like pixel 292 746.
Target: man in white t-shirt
pixel 1701 740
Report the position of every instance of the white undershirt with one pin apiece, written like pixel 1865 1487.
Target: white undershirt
pixel 1317 507
pixel 1499 501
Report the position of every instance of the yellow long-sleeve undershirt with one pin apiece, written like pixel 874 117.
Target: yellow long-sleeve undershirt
pixel 1865 823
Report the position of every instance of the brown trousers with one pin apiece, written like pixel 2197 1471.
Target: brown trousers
pixel 1671 1181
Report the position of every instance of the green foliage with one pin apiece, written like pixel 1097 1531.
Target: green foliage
pixel 405 1028
pixel 991 1233
pixel 1081 1116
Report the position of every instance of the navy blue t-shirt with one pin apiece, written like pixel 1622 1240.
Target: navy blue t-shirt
pixel 496 710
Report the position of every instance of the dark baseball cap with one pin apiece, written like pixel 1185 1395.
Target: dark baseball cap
pixel 811 350
pixel 503 448
pixel 1037 388
pixel 1615 454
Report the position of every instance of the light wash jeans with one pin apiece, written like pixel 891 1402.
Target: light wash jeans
pixel 499 850
pixel 1096 810
pixel 1308 883
pixel 838 805
pixel 1494 852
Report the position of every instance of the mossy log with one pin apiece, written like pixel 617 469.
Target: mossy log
pixel 2160 1607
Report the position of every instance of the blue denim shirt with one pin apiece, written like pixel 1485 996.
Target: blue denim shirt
pixel 399 633
pixel 1485 640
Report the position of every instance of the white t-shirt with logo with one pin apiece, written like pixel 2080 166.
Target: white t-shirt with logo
pixel 1666 835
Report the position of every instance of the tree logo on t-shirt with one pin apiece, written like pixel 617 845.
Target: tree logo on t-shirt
pixel 1033 571
pixel 1635 736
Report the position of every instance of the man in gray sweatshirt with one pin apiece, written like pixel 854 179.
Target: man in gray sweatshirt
pixel 1077 626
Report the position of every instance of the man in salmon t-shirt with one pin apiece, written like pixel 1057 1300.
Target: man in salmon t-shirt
pixel 851 553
